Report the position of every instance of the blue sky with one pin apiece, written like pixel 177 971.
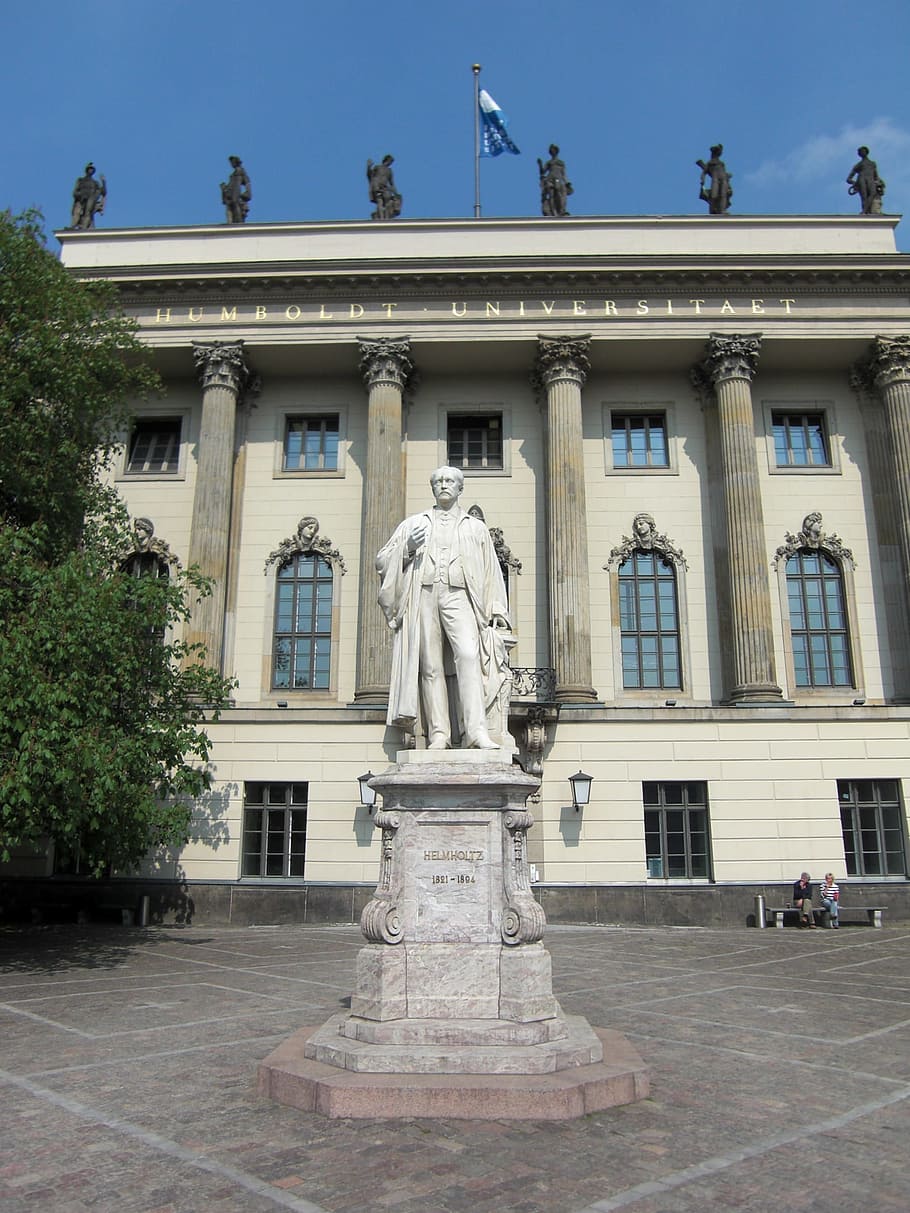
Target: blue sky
pixel 159 94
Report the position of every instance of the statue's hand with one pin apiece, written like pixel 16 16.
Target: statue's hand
pixel 417 537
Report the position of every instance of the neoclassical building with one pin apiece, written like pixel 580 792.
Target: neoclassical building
pixel 690 439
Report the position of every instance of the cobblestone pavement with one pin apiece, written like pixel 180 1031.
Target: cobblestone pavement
pixel 780 1079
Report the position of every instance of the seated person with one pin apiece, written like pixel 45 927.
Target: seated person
pixel 802 900
pixel 829 896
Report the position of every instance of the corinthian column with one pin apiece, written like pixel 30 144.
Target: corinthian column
pixel 729 367
pixel 561 370
pixel 890 366
pixel 224 373
pixel 386 366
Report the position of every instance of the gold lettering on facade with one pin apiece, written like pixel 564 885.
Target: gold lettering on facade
pixel 456 306
pixel 260 311
pixel 388 309
pixel 163 315
pixel 229 313
pixel 758 307
pixel 697 305
pixel 548 307
pixel 786 303
pixel 292 312
pixel 669 307
pixel 728 309
pixel 609 307
pixel 324 315
pixel 579 307
pixel 643 308
pixel 194 319
pixel 492 309
pixel 521 307
pixel 356 311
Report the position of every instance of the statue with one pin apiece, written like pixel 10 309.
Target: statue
pixel 554 188
pixel 88 199
pixel 865 181
pixel 236 193
pixel 443 595
pixel 719 193
pixel 383 194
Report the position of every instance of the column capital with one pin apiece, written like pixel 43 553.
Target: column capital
pixel 730 356
pixel 562 359
pixel 889 361
pixel 386 360
pixel 221 365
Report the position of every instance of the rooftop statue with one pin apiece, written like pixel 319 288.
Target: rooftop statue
pixel 236 193
pixel 555 189
pixel 865 181
pixel 88 199
pixel 719 192
pixel 443 595
pixel 383 194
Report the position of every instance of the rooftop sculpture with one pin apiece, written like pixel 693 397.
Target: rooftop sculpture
pixel 236 193
pixel 88 199
pixel 719 192
pixel 865 181
pixel 383 193
pixel 555 188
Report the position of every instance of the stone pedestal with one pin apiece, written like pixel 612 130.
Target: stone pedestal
pixel 453 1012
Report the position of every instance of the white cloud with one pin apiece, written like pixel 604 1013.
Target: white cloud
pixel 820 157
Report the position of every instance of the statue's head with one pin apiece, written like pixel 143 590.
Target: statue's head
pixel 554 150
pixel 717 150
pixel 643 525
pixel 447 484
pixel 235 161
pixel 89 169
pixel 812 524
pixel 143 529
pixel 388 160
pixel 862 151
pixel 307 528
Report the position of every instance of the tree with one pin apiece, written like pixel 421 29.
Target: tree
pixel 101 748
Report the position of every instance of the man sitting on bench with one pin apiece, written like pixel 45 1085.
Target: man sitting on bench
pixel 802 901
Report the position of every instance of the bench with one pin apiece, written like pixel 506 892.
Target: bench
pixel 873 914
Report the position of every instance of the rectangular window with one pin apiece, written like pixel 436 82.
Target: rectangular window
pixel 640 440
pixel 871 819
pixel 274 829
pixel 800 440
pixel 474 441
pixel 677 845
pixel 154 446
pixel 311 443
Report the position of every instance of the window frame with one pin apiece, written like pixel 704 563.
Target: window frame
pixel 150 419
pixel 850 800
pixel 658 560
pixel 286 416
pixel 830 694
pixel 640 408
pixel 804 408
pixel 330 633
pixel 265 806
pixel 488 409
pixel 662 807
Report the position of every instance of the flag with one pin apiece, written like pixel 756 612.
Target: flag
pixel 494 135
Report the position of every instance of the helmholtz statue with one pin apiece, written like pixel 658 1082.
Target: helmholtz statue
pixel 443 594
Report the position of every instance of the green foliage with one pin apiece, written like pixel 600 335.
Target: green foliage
pixel 100 704
pixel 69 362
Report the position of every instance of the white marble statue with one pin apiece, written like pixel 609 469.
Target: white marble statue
pixel 442 592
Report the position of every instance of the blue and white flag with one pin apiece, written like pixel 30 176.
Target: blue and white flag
pixel 494 134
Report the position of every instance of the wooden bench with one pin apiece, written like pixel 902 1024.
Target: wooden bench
pixel 873 914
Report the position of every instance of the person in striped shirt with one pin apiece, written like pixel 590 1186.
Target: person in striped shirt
pixel 829 895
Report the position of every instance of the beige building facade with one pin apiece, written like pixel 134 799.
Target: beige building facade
pixel 690 438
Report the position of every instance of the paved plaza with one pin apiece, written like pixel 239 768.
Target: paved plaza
pixel 780 1078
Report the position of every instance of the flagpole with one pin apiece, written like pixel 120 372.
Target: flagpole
pixel 476 70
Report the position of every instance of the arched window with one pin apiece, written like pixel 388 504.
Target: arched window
pixel 818 620
pixel 649 622
pixel 303 624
